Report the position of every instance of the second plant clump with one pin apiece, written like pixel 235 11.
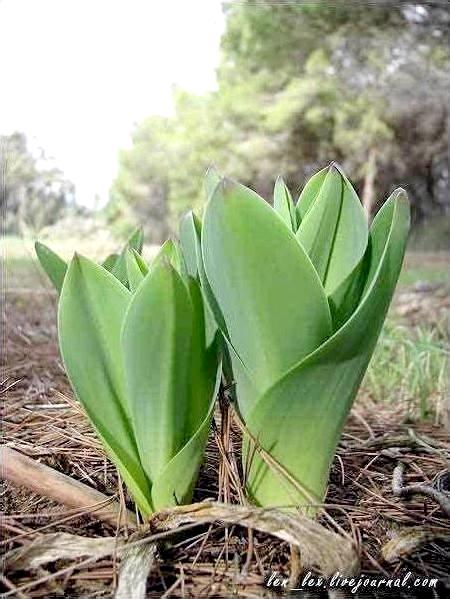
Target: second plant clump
pixel 290 299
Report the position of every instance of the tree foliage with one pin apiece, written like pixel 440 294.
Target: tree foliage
pixel 32 193
pixel 300 84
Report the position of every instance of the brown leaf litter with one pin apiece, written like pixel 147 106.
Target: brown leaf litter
pixel 212 553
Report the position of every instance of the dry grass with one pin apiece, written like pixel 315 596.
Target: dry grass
pixel 41 420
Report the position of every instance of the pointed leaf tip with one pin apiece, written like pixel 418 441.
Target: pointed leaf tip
pixel 136 240
pixel 335 166
pixel 334 230
pixel 54 266
pixel 212 179
pixel 283 204
pixel 90 315
pixel 399 192
pixel 264 283
pixel 310 193
pixel 228 185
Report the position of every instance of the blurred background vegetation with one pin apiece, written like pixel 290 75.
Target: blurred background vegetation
pixel 298 84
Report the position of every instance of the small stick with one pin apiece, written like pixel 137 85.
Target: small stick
pixel 296 566
pixel 419 489
pixel 21 470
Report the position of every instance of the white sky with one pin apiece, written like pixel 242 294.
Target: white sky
pixel 76 74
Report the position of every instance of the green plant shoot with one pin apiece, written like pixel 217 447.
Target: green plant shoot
pixel 300 294
pixel 55 267
pixel 136 354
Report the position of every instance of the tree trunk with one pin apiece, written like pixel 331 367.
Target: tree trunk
pixel 368 194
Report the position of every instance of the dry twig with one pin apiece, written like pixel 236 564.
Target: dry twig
pixel 25 472
pixel 399 490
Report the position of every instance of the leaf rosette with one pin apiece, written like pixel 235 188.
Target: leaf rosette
pixel 133 342
pixel 300 293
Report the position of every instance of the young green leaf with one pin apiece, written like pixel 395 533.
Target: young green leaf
pixel 283 204
pixel 91 312
pixel 211 181
pixel 334 230
pixel 346 297
pixel 135 276
pixel 190 242
pixel 142 264
pixel 168 253
pixel 309 194
pixel 54 266
pixel 136 240
pixel 203 362
pixel 265 285
pixel 175 483
pixel 317 393
pixel 118 267
pixel 189 227
pixel 109 261
pixel 156 340
pixel 170 379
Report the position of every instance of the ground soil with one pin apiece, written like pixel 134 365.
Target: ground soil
pixel 41 420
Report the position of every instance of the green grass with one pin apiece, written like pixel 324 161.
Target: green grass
pixel 23 271
pixel 430 274
pixel 410 365
pixel 432 235
pixel 431 267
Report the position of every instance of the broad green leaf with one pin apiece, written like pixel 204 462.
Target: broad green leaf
pixel 171 375
pixel 213 315
pixel 317 394
pixel 176 482
pixel 243 387
pixel 267 289
pixel 189 225
pixel 136 240
pixel 119 268
pixel 395 211
pixel 135 276
pixel 109 261
pixel 344 300
pixel 168 253
pixel 211 181
pixel 91 312
pixel 143 266
pixel 54 266
pixel 283 204
pixel 334 230
pixel 156 341
pixel 190 241
pixel 203 361
pixel 309 194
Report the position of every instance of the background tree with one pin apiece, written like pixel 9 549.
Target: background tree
pixel 33 193
pixel 300 84
pixel 367 84
pixel 139 194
